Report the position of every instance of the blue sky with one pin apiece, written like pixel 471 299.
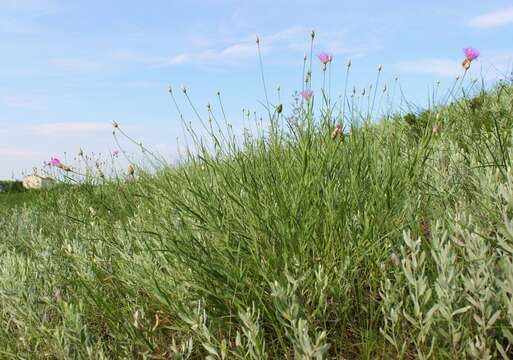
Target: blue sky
pixel 69 68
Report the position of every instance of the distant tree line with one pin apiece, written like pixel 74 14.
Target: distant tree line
pixel 11 186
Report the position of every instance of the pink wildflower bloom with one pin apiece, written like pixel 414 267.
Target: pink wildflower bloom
pixel 325 58
pixel 471 54
pixel 115 153
pixel 307 94
pixel 55 162
pixel 338 131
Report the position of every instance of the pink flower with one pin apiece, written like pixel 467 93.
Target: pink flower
pixel 306 94
pixel 338 131
pixel 115 153
pixel 325 58
pixel 471 54
pixel 55 162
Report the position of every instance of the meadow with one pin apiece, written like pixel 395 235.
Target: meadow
pixel 325 234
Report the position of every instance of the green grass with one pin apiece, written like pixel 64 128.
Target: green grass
pixel 395 242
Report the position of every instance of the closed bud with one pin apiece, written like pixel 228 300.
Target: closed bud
pixel 466 64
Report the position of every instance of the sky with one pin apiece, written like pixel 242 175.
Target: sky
pixel 70 68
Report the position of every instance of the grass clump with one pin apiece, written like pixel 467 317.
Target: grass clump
pixel 393 240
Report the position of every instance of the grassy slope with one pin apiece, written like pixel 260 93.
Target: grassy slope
pixel 287 247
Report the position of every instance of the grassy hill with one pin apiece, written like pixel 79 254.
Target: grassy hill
pixel 393 241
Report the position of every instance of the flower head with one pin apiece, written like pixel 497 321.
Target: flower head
pixel 115 153
pixel 55 162
pixel 307 94
pixel 471 54
pixel 338 131
pixel 325 58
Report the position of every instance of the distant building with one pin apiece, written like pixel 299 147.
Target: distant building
pixel 37 182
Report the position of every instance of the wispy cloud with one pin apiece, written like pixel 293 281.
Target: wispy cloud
pixel 232 51
pixel 28 6
pixel 70 127
pixel 77 64
pixel 12 152
pixel 493 66
pixel 493 19
pixel 24 102
pixel 19 17
pixel 439 67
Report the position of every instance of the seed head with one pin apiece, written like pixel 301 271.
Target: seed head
pixel 130 170
pixel 115 125
pixel 279 108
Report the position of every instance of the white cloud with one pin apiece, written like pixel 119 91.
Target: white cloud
pixel 24 102
pixel 439 67
pixel 130 56
pixel 77 64
pixel 70 127
pixel 28 6
pixel 493 19
pixel 493 66
pixel 11 152
pixel 231 51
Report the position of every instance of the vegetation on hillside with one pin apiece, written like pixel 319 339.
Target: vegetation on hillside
pixel 384 240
